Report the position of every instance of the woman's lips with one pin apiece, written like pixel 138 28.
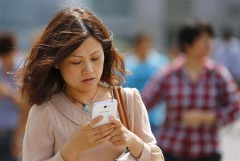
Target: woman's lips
pixel 89 81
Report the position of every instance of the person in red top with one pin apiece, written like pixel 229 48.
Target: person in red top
pixel 200 97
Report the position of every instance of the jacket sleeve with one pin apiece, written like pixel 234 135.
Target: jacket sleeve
pixel 141 127
pixel 38 142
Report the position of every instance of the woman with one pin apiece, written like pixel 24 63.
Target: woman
pixel 61 79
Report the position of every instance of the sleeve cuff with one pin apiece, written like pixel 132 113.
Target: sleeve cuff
pixel 57 157
pixel 146 153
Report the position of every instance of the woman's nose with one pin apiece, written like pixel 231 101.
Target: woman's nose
pixel 88 68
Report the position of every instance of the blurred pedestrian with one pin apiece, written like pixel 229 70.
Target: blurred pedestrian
pixel 10 101
pixel 143 62
pixel 227 52
pixel 200 96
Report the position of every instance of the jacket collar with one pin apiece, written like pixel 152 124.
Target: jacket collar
pixel 67 107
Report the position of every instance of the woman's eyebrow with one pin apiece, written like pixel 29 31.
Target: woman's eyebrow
pixel 83 56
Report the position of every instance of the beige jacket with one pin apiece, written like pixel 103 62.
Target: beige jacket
pixel 51 124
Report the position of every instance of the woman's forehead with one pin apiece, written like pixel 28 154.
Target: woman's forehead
pixel 88 47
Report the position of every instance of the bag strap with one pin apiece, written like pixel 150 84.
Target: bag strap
pixel 122 110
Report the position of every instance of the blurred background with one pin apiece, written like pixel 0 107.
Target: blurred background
pixel 161 19
pixel 124 17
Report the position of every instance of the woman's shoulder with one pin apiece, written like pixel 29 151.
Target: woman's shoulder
pixel 39 113
pixel 41 118
pixel 131 93
pixel 46 106
pixel 133 100
pixel 41 109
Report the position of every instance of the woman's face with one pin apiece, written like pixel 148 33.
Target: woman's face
pixel 83 69
pixel 202 46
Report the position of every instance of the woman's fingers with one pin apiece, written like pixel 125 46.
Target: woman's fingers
pixel 116 131
pixel 103 134
pixel 94 122
pixel 102 128
pixel 115 138
pixel 100 141
pixel 116 121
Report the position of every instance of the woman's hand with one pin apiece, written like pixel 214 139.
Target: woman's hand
pixel 121 136
pixel 86 137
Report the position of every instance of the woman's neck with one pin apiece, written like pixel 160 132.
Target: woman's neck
pixel 82 96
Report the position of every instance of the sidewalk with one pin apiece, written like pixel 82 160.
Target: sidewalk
pixel 230 142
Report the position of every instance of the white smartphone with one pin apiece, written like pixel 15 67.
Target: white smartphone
pixel 106 108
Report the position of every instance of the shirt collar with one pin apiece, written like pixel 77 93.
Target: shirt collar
pixel 209 64
pixel 179 62
pixel 67 108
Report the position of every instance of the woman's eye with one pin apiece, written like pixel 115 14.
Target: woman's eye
pixel 94 59
pixel 75 63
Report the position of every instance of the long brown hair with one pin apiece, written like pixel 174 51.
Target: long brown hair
pixel 39 80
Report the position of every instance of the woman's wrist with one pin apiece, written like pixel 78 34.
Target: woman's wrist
pixel 136 146
pixel 68 153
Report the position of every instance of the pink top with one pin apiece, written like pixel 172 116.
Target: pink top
pixel 50 124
